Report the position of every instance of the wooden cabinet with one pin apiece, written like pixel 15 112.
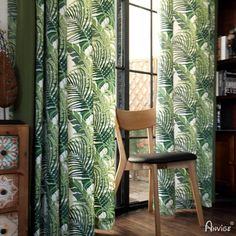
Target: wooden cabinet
pixel 14 179
pixel 226 162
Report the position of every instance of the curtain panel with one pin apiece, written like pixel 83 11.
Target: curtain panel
pixel 185 96
pixel 12 15
pixel 51 206
pixel 7 113
pixel 74 119
pixel 91 106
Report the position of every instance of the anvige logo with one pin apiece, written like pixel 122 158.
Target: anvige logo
pixel 209 227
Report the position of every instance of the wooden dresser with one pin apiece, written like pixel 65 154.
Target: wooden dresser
pixel 14 179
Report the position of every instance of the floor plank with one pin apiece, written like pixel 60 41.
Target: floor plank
pixel 184 223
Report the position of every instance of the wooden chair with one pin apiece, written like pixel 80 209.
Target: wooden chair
pixel 145 119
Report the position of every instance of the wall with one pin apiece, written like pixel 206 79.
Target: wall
pixel 25 57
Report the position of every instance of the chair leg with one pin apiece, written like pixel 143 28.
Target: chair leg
pixel 196 195
pixel 119 174
pixel 150 200
pixel 156 201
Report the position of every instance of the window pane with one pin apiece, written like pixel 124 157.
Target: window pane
pixel 138 184
pixel 138 178
pixel 138 133
pixel 139 39
pixel 154 90
pixel 140 91
pixel 143 3
pixel 154 5
pixel 154 41
pixel 138 146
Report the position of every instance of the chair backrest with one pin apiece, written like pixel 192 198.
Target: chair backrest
pixel 134 120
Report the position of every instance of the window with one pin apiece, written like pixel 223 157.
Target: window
pixel 136 71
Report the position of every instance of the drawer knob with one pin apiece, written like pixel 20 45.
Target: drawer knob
pixel 3 192
pixel 3 152
pixel 3 231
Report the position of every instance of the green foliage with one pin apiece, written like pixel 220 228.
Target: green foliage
pixel 91 87
pixel 74 190
pixel 185 96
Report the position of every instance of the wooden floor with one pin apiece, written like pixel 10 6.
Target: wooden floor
pixel 141 223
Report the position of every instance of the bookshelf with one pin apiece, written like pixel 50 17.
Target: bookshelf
pixel 225 159
pixel 228 64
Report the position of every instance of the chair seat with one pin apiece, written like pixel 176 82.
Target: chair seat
pixel 161 158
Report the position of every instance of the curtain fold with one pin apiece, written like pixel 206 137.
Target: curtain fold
pixel 12 23
pixel 51 170
pixel 74 119
pixel 185 96
pixel 91 89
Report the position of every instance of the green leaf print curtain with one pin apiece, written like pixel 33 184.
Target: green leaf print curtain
pixel 51 208
pixel 12 14
pixel 74 137
pixel 91 106
pixel 185 94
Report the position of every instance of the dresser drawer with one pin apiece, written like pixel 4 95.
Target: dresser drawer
pixel 8 152
pixel 9 224
pixel 8 190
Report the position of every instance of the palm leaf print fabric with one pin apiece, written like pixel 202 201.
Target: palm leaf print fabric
pixel 74 136
pixel 51 168
pixel 185 97
pixel 91 88
pixel 12 14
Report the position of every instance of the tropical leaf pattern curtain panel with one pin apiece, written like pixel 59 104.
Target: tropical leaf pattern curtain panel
pixel 185 95
pixel 91 89
pixel 12 14
pixel 51 206
pixel 74 135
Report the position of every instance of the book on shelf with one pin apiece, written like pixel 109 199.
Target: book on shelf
pixel 222 48
pixel 225 83
pixel 218 116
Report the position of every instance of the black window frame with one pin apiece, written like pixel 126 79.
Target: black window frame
pixel 122 92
